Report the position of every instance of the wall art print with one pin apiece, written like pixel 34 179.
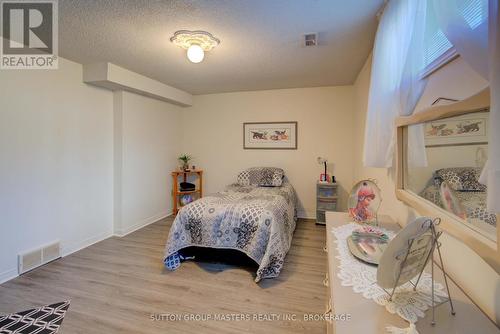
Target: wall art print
pixel 270 135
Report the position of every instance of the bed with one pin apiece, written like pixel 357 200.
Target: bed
pixel 466 190
pixel 255 216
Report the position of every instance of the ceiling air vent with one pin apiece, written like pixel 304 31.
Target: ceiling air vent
pixel 311 39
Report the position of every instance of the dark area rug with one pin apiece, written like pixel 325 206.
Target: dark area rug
pixel 43 320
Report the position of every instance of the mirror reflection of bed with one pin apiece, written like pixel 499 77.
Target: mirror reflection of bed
pixel 445 159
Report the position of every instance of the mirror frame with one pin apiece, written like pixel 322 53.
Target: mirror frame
pixel 488 249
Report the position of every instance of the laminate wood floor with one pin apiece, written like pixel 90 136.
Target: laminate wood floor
pixel 119 285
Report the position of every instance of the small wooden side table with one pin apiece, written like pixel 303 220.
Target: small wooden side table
pixel 176 193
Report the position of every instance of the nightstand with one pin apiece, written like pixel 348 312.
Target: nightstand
pixel 326 200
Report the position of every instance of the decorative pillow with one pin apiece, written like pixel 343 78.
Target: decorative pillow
pixel 462 178
pixel 261 176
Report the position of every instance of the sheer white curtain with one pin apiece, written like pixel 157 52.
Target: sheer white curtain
pixel 395 87
pixel 465 25
pixel 472 26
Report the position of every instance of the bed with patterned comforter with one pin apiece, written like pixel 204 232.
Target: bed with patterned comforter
pixel 258 221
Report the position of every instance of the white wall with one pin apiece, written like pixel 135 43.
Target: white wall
pixel 455 80
pixel 79 163
pixel 147 144
pixel 56 162
pixel 213 134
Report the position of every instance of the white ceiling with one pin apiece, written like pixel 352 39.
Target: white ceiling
pixel 260 40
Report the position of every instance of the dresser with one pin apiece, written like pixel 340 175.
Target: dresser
pixel 365 316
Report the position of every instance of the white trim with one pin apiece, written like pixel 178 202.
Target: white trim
pixel 123 232
pixel 305 214
pixel 439 62
pixel 67 250
pixel 8 275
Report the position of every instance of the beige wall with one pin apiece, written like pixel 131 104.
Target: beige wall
pixel 147 142
pixel 455 80
pixel 213 134
pixel 56 164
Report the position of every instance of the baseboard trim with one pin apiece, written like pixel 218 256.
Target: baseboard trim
pixel 306 215
pixel 67 250
pixel 148 221
pixel 8 275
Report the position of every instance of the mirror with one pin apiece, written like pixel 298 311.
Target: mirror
pixel 440 154
pixel 444 159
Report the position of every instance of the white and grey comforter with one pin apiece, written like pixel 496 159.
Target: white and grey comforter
pixel 258 221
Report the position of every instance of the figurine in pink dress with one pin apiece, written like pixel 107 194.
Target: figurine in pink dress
pixel 362 212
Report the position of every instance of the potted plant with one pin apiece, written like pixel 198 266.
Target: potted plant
pixel 184 159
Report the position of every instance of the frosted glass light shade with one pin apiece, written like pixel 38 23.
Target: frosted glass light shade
pixel 195 53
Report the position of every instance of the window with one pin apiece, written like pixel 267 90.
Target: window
pixel 436 42
pixel 474 12
pixel 438 49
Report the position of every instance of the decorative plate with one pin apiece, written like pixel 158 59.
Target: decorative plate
pixel 364 201
pixel 395 262
pixel 367 249
pixel 450 201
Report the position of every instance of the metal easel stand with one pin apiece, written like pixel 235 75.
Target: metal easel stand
pixel 435 244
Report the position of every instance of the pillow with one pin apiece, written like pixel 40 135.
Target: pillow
pixel 462 178
pixel 261 176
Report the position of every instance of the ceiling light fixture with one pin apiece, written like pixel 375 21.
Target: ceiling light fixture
pixel 195 42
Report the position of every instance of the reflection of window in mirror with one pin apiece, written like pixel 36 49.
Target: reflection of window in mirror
pixel 444 161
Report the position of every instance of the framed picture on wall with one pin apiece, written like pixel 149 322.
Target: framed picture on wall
pixel 270 135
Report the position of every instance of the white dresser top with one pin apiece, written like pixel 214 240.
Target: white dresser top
pixel 368 317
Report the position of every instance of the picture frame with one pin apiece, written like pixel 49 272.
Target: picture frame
pixel 270 135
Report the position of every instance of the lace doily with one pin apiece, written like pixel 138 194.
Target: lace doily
pixel 406 303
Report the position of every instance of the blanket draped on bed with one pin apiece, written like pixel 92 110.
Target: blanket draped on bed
pixel 258 221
